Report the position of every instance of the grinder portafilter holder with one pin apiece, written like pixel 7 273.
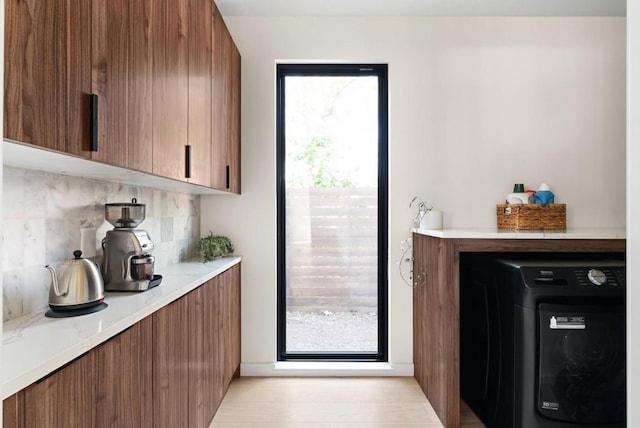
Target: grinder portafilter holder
pixel 125 214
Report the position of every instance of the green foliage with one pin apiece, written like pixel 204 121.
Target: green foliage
pixel 316 156
pixel 212 247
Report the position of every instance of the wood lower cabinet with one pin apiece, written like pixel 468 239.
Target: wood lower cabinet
pixel 231 302
pixel 170 369
pixel 214 344
pixel 204 349
pixel 13 411
pixel 66 398
pixel 436 306
pixel 124 378
pixel 171 337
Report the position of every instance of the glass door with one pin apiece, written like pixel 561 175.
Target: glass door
pixel 332 212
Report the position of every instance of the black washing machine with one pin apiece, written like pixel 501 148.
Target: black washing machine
pixel 542 342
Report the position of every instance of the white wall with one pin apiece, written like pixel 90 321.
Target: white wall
pixel 476 104
pixel 633 212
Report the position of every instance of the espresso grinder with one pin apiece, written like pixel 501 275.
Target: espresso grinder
pixel 128 263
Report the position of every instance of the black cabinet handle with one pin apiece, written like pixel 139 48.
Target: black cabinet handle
pixel 94 123
pixel 187 154
pixel 227 178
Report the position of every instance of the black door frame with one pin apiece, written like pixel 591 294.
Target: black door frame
pixel 379 70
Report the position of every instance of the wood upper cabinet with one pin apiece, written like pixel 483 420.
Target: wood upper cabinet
pixel 47 78
pixel 170 34
pixel 124 378
pixel 149 85
pixel 121 79
pixel 200 95
pixel 225 166
pixel 65 398
pixel 233 153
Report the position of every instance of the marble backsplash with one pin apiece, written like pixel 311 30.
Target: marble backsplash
pixel 42 217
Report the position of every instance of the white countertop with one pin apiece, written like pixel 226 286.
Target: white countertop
pixel 34 345
pixel 494 233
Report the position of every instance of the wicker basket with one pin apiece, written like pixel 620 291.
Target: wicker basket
pixel 532 216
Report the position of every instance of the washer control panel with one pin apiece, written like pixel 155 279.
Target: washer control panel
pixel 600 277
pixel 597 277
pixel 601 274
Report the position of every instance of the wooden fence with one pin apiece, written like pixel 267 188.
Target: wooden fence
pixel 332 260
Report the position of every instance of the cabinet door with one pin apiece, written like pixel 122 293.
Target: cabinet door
pixel 170 370
pixel 231 287
pixel 48 74
pixel 125 378
pixel 121 71
pixel 226 116
pixel 66 398
pixel 203 339
pixel 200 107
pixel 13 411
pixel 218 118
pixel 228 326
pixel 170 87
pixel 225 168
pixel 233 152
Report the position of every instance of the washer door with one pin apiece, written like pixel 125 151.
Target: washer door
pixel 581 363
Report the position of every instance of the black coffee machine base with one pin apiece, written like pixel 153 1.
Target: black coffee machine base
pixel 155 281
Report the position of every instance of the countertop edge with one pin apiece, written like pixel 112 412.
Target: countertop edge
pixel 494 233
pixel 20 327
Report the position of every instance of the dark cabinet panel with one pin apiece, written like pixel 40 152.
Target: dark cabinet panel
pixel 121 74
pixel 13 411
pixel 232 313
pixel 170 32
pixel 225 152
pixel 66 398
pixel 170 365
pixel 124 384
pixel 233 156
pixel 200 95
pixel 48 73
pixel 202 361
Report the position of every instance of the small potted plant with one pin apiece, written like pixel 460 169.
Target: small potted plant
pixel 213 247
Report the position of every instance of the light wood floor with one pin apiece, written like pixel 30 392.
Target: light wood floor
pixel 326 402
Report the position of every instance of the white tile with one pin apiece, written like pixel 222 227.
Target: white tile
pixel 13 256
pixel 12 285
pixel 13 193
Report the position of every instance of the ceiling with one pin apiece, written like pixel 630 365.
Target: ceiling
pixel 422 7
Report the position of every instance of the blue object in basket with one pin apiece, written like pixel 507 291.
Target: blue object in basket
pixel 543 197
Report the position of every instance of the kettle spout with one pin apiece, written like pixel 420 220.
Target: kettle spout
pixel 54 281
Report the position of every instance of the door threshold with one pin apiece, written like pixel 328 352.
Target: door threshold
pixel 321 368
